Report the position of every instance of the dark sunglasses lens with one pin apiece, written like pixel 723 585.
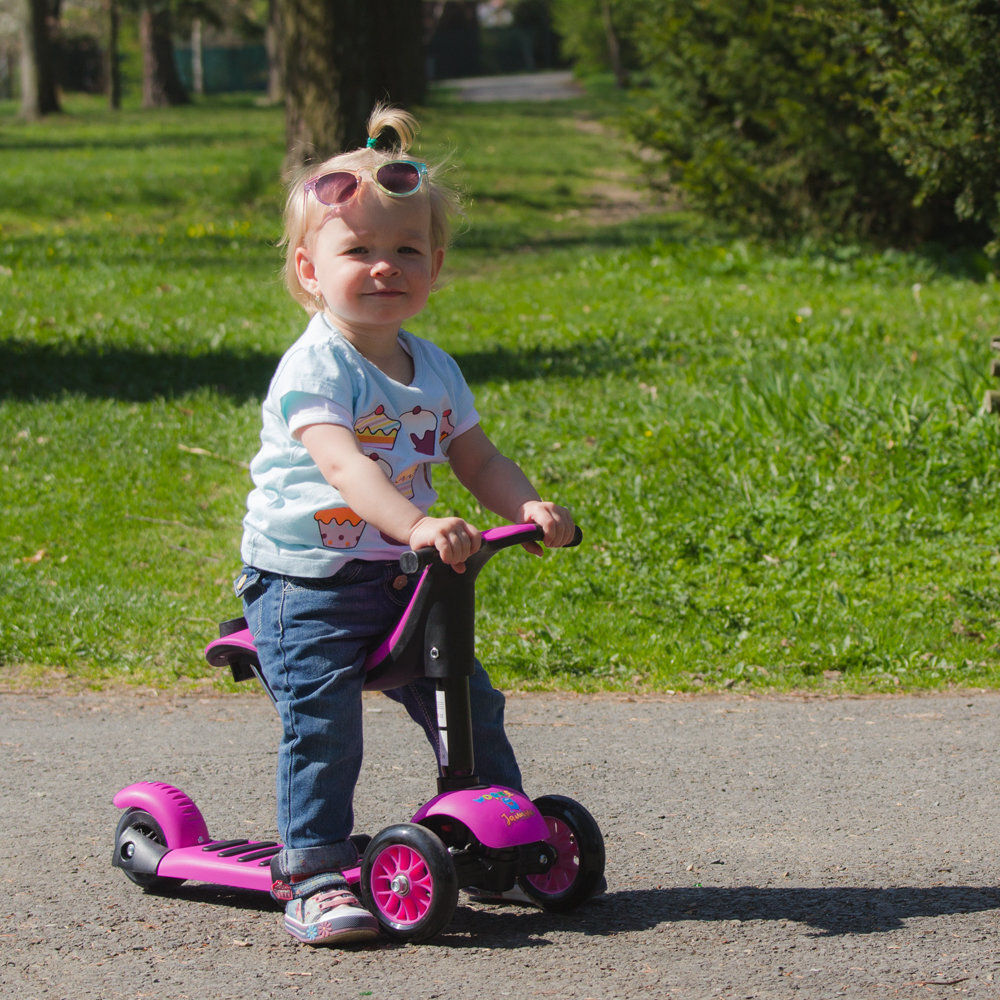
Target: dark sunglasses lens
pixel 335 188
pixel 399 178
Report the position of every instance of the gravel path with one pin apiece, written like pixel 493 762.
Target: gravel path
pixel 547 86
pixel 757 848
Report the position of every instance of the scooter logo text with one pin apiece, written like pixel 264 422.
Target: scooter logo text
pixel 507 798
pixel 512 818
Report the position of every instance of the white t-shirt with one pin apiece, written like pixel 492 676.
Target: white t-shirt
pixel 296 523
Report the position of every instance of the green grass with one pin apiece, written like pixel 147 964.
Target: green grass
pixel 777 455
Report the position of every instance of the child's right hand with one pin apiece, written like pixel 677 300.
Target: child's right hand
pixel 454 539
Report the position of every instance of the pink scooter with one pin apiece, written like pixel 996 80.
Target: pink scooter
pixel 469 834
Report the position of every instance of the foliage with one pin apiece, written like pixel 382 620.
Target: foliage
pixel 584 32
pixel 935 93
pixel 751 107
pixel 846 118
pixel 776 455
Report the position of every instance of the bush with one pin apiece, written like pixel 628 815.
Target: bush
pixel 795 120
pixel 935 95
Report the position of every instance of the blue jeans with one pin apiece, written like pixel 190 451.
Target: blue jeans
pixel 312 637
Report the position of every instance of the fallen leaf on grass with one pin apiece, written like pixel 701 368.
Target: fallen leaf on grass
pixel 211 454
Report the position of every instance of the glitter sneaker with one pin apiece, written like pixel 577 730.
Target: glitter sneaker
pixel 330 916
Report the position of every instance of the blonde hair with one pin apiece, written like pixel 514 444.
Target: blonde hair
pixel 303 215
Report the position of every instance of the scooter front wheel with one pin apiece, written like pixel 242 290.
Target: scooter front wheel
pixel 139 822
pixel 409 883
pixel 578 870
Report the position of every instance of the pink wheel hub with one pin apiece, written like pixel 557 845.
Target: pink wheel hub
pixel 401 884
pixel 564 872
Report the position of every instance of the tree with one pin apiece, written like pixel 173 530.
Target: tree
pixel 341 57
pixel 38 79
pixel 112 70
pixel 161 83
pixel 275 52
pixel 597 35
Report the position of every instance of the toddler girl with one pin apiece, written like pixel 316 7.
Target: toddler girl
pixel 358 412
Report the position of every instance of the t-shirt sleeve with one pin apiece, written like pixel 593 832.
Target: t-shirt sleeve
pixel 313 379
pixel 302 409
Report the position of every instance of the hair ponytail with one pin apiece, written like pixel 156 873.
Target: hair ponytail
pixel 401 122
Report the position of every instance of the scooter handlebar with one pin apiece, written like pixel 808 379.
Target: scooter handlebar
pixel 494 539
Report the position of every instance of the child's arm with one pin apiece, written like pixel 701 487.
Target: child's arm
pixel 368 492
pixel 498 483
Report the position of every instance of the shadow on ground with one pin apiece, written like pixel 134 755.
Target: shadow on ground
pixel 828 912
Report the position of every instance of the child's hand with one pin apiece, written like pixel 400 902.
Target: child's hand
pixel 454 539
pixel 555 521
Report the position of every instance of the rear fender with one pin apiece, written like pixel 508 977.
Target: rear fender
pixel 180 819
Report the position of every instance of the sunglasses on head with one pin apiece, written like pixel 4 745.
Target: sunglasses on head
pixel 397 178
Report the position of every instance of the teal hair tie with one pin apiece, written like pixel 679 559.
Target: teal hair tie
pixel 371 142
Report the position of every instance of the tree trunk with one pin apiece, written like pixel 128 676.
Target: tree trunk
pixel 38 79
pixel 341 57
pixel 275 53
pixel 197 58
pixel 614 46
pixel 113 74
pixel 397 59
pixel 161 83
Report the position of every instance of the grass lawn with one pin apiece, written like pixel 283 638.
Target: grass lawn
pixel 777 456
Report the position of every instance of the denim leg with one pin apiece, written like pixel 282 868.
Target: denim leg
pixel 312 637
pixel 495 760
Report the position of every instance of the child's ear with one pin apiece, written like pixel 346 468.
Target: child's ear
pixel 436 261
pixel 305 271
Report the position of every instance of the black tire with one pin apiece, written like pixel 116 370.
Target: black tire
pixel 409 883
pixel 138 821
pixel 578 873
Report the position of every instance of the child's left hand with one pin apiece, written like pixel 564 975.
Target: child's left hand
pixel 555 521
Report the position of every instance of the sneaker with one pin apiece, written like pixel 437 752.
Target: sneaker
pixel 331 916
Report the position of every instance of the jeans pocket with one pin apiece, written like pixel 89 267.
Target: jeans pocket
pixel 249 577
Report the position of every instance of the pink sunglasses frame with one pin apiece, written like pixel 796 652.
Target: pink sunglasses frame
pixel 312 185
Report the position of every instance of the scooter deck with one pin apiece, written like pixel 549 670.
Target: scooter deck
pixel 240 864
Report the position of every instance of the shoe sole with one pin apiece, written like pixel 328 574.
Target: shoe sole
pixel 326 934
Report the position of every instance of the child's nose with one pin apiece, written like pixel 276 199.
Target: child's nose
pixel 384 266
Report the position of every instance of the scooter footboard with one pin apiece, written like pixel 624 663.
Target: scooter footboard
pixel 239 864
pixel 180 819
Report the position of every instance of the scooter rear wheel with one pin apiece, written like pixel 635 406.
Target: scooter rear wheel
pixel 409 883
pixel 138 821
pixel 578 871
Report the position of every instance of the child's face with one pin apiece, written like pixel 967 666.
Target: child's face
pixel 372 262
